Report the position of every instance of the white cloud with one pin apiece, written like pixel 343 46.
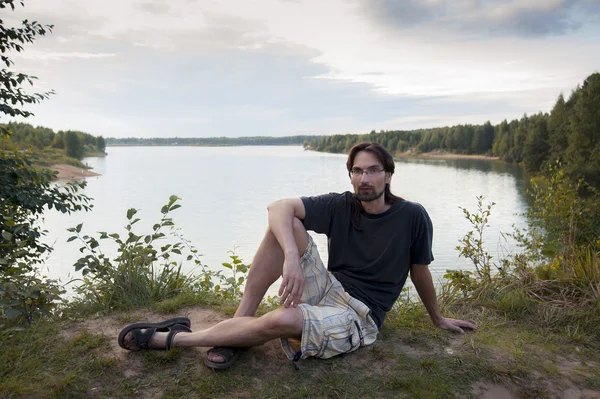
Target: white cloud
pixel 184 67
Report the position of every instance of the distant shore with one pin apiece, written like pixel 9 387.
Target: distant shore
pixel 70 172
pixel 445 155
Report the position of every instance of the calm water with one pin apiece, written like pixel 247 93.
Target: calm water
pixel 225 191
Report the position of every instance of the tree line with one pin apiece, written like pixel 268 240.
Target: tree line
pixel 569 134
pixel 75 143
pixel 210 141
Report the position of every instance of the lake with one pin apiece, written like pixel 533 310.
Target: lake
pixel 225 192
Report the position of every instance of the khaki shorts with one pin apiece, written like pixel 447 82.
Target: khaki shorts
pixel 334 322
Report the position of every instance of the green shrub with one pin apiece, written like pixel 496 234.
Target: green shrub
pixel 144 273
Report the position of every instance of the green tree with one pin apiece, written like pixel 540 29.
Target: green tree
pixel 73 144
pixel 101 144
pixel 25 193
pixel 12 95
pixel 583 151
pixel 59 141
pixel 558 130
pixel 536 150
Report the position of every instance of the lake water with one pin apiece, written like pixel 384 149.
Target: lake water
pixel 225 192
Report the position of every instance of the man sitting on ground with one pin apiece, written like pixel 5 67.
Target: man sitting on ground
pixel 375 239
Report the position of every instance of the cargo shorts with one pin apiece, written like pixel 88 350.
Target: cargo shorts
pixel 334 322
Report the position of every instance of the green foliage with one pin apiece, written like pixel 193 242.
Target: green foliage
pixel 25 193
pixel 564 218
pixel 73 145
pixel 25 296
pixel 12 95
pixel 569 134
pixel 140 274
pixel 232 286
pixel 472 244
pixel 555 280
pixel 211 141
pixel 24 135
pixel 144 273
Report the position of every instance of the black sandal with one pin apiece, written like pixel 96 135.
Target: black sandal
pixel 172 326
pixel 228 353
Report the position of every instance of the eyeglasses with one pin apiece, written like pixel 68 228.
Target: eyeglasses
pixel 358 172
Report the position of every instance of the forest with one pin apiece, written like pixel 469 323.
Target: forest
pixel 568 134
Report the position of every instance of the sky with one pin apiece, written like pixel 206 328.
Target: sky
pixel 206 68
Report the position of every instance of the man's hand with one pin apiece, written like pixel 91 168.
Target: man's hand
pixel 455 325
pixel 292 286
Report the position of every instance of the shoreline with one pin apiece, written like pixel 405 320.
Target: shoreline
pixel 446 155
pixel 70 172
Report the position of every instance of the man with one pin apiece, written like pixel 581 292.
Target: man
pixel 375 239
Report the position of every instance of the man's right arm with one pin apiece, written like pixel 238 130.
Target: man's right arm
pixel 281 217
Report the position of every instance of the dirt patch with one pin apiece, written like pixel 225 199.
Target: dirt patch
pixel 70 172
pixel 490 390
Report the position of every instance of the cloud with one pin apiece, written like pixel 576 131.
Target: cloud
pixel 54 56
pixel 517 18
pixel 152 7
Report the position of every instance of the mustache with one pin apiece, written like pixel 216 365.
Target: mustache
pixel 365 186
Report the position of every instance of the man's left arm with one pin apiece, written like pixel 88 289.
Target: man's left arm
pixel 423 282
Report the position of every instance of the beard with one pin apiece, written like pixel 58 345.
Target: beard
pixel 368 193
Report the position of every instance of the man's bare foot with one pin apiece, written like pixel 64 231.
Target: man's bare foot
pixel 222 357
pixel 158 340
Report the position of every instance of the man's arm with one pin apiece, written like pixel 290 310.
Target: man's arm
pixel 421 278
pixel 281 217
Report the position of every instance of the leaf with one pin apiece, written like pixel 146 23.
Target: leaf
pixel 131 212
pixel 11 313
pixel 71 238
pixel 7 236
pixel 227 265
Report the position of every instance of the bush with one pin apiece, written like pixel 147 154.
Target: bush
pixel 25 193
pixel 555 280
pixel 142 274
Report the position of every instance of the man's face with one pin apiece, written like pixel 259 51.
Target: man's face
pixel 368 177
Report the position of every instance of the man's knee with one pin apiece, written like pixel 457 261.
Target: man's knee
pixel 285 321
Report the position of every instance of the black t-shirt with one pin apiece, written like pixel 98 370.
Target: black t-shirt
pixel 372 264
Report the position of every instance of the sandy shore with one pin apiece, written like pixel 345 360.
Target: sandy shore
pixel 446 155
pixel 70 172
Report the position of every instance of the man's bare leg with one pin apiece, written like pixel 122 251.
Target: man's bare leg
pixel 240 331
pixel 266 268
pixel 244 330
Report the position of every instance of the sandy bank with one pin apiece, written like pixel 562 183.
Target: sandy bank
pixel 70 172
pixel 445 155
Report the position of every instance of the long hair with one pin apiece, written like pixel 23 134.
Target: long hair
pixel 386 159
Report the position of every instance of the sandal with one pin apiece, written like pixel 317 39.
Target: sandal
pixel 229 354
pixel 172 326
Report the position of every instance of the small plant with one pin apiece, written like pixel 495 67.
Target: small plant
pixel 472 243
pixel 29 296
pixel 144 273
pixel 141 274
pixel 231 287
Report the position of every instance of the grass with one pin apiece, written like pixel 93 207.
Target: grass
pixel 411 359
pixel 52 156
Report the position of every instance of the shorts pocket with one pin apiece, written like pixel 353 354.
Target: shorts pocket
pixel 343 338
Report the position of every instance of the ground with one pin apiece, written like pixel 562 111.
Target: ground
pixel 404 362
pixel 70 172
